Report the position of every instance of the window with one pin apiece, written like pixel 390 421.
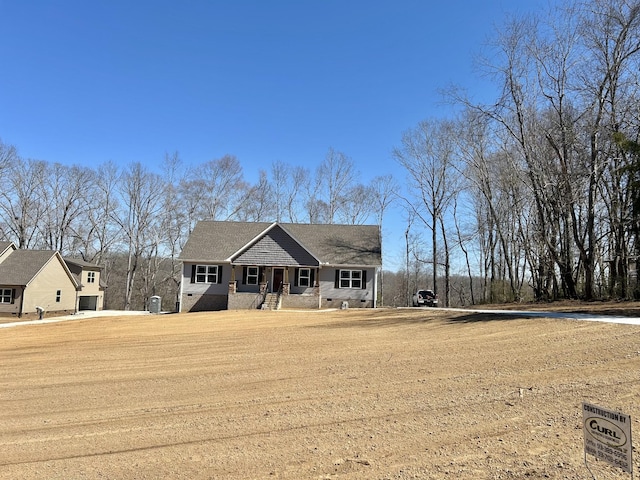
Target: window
pixel 252 275
pixel 58 295
pixel 207 274
pixel 91 277
pixel 304 277
pixel 6 295
pixel 351 279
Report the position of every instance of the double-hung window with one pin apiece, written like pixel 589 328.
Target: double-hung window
pixel 207 274
pixel 304 277
pixel 6 295
pixel 252 275
pixel 91 277
pixel 350 278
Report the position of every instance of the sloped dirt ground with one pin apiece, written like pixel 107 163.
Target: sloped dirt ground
pixel 355 394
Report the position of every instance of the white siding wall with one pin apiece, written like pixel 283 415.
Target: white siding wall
pixel 221 288
pixel 355 296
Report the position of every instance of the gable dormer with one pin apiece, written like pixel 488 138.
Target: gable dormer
pixel 275 247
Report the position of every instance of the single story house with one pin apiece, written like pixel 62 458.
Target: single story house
pixel 91 286
pixel 243 265
pixel 34 281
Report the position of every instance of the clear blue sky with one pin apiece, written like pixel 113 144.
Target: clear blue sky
pixel 83 82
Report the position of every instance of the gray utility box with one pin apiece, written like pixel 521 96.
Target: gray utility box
pixel 155 304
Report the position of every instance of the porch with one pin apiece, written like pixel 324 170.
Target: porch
pixel 270 287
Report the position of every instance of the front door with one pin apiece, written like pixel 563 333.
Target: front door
pixel 278 277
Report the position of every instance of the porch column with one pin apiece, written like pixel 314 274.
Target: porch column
pixel 286 286
pixel 233 285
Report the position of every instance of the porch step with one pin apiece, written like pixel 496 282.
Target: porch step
pixel 271 302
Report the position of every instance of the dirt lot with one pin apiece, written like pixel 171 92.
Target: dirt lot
pixel 384 394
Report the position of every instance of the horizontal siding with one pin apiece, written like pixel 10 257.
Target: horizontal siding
pixel 42 291
pixel 356 295
pixel 221 288
pixel 12 309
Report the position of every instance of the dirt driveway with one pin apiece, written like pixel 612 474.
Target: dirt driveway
pixel 355 394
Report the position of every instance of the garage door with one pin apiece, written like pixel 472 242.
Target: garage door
pixel 88 303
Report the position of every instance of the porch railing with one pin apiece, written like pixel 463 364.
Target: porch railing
pixel 260 298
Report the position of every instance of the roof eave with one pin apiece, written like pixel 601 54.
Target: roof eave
pixel 203 260
pixel 350 265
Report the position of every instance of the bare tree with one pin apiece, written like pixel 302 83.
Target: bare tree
pixel 300 179
pixel 334 178
pixel 101 230
pixel 173 223
pixel 259 203
pixel 495 186
pixel 217 188
pixel 8 157
pixel 287 186
pixel 563 79
pixel 21 205
pixel 383 190
pixel 65 195
pixel 356 207
pixel 279 181
pixel 609 87
pixel 141 193
pixel 427 154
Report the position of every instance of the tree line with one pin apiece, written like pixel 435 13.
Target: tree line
pixel 537 190
pixel 533 195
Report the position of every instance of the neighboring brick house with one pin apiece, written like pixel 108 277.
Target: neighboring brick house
pixel 32 280
pixel 242 265
pixel 91 285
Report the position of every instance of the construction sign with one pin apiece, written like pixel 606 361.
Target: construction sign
pixel 607 436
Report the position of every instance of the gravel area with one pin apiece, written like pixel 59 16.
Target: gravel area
pixel 353 394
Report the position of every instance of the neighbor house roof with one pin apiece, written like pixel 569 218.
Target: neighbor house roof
pixel 77 265
pixel 4 246
pixel 82 263
pixel 21 266
pixel 215 241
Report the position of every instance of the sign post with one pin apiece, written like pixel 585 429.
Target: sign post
pixel 607 436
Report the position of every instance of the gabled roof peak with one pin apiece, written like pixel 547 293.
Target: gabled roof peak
pixel 277 247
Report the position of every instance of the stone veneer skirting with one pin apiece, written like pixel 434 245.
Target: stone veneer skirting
pixel 301 301
pixel 246 301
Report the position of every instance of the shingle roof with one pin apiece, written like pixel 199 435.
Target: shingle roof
pixel 340 244
pixel 215 241
pixel 76 266
pixel 82 263
pixel 4 246
pixel 21 266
